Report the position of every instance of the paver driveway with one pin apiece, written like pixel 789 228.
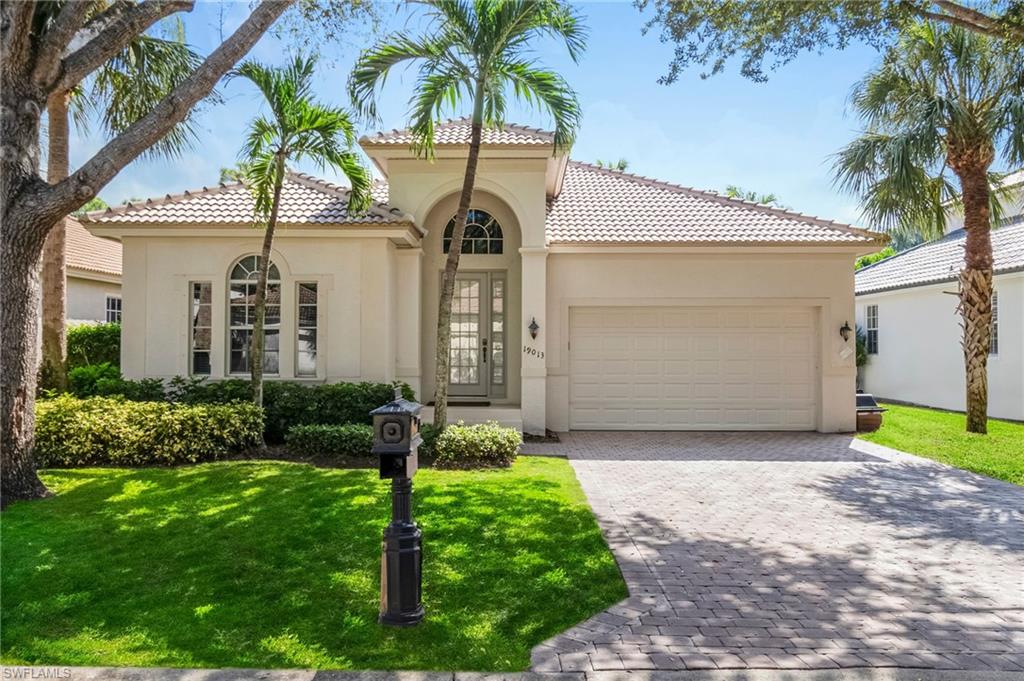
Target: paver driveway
pixel 795 550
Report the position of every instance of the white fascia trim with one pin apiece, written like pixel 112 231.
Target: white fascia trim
pixel 853 249
pixel 76 273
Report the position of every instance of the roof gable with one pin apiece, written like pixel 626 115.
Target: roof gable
pixel 600 206
pixel 940 261
pixel 456 132
pixel 305 200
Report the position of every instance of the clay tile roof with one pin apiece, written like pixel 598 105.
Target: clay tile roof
pixel 601 206
pixel 305 200
pixel 941 260
pixel 91 253
pixel 457 132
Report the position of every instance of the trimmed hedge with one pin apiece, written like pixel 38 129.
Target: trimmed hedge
pixel 285 403
pixel 320 441
pixel 479 446
pixel 103 430
pixel 94 344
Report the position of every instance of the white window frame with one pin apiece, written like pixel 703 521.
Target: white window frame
pixel 247 326
pixel 299 327
pixel 993 343
pixel 871 329
pixel 193 326
pixel 110 310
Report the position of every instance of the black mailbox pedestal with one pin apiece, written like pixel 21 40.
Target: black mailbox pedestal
pixel 396 441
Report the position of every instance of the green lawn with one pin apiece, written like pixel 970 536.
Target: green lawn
pixel 271 564
pixel 940 435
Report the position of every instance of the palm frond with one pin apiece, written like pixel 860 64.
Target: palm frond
pixel 374 65
pixel 547 91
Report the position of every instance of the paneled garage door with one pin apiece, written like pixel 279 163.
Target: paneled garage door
pixel 693 368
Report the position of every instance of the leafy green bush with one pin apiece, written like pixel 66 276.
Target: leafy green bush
pixel 485 444
pixel 319 441
pixel 94 380
pixel 203 391
pixel 429 434
pixel 104 430
pixel 94 344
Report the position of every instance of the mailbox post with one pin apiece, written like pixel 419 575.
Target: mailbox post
pixel 396 440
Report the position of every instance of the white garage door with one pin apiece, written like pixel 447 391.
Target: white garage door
pixel 693 368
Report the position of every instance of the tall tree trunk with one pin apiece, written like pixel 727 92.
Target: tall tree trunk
pixel 976 291
pixel 53 369
pixel 451 267
pixel 256 342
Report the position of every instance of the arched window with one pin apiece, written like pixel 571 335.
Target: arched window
pixel 483 234
pixel 242 315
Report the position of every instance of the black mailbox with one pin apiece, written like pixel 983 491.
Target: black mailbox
pixel 396 437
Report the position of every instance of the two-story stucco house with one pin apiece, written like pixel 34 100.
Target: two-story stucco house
pixel 907 307
pixel 587 298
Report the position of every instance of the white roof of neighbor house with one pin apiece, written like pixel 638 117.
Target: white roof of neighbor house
pixel 457 132
pixel 940 261
pixel 602 206
pixel 91 253
pixel 304 200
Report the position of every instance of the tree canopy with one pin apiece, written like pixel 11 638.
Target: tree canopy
pixel 766 34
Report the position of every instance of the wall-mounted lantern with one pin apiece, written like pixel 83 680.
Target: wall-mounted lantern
pixel 534 327
pixel 845 330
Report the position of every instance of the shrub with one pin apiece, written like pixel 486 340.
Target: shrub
pixel 94 344
pixel 319 441
pixel 103 430
pixel 486 444
pixel 203 391
pixel 104 379
pixel 429 434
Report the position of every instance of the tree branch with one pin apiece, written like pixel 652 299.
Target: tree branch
pixel 112 39
pixel 951 19
pixel 979 21
pixel 47 205
pixel 70 19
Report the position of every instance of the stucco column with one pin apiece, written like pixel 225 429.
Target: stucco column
pixel 534 350
pixel 408 313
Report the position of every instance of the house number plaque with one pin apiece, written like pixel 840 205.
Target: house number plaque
pixel 527 350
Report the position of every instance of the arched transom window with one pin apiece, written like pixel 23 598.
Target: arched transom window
pixel 483 234
pixel 242 315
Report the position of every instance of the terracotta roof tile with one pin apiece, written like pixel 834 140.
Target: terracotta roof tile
pixel 305 200
pixel 941 260
pixel 457 132
pixel 91 253
pixel 601 206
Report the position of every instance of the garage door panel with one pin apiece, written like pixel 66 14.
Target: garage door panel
pixel 693 368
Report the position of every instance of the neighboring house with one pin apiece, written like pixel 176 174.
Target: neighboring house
pixel 907 306
pixel 93 276
pixel 587 298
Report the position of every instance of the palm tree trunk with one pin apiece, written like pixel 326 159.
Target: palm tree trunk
pixel 451 266
pixel 256 341
pixel 976 294
pixel 53 369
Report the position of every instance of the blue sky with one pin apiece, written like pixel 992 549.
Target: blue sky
pixel 770 137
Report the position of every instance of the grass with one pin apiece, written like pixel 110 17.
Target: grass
pixel 940 435
pixel 272 564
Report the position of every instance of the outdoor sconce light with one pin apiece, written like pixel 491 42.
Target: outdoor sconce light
pixel 534 327
pixel 845 330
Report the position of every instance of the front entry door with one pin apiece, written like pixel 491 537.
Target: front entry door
pixel 477 356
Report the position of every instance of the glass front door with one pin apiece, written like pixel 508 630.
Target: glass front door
pixel 477 355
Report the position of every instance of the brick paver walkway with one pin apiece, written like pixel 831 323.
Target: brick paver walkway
pixel 795 551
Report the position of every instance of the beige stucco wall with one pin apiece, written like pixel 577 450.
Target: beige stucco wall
pixel 87 298
pixel 660 277
pixel 919 356
pixel 358 309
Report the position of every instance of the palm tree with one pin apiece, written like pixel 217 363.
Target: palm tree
pixel 298 128
pixel 943 99
pixel 476 52
pixel 122 91
pixel 621 165
pixel 736 192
